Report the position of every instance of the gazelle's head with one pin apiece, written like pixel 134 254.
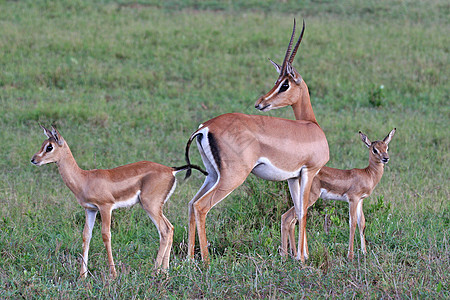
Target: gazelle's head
pixel 51 148
pixel 378 149
pixel 288 87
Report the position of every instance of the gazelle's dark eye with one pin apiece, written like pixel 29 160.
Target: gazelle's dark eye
pixel 284 86
pixel 375 151
pixel 49 148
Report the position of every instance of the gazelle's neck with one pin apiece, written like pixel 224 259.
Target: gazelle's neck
pixel 375 170
pixel 303 108
pixel 71 174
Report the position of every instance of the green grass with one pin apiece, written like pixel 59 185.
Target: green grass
pixel 130 81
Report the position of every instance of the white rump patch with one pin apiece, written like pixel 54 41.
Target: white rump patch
pixel 207 157
pixel 213 177
pixel 171 191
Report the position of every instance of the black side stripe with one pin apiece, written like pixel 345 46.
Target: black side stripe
pixel 214 150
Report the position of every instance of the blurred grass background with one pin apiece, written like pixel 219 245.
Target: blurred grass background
pixel 128 81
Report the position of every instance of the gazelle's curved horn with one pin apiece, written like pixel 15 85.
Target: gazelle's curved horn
pixel 283 68
pixel 291 59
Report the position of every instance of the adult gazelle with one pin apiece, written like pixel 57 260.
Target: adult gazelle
pixel 234 145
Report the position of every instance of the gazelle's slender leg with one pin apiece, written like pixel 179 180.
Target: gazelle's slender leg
pixel 302 190
pixel 210 181
pixel 87 234
pixel 305 243
pixel 361 225
pixel 191 231
pixel 294 188
pixel 352 222
pixel 165 230
pixel 205 203
pixel 106 235
pixel 288 221
pixel 166 257
pixel 292 242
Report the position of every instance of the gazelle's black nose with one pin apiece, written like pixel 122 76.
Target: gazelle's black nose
pixel 385 159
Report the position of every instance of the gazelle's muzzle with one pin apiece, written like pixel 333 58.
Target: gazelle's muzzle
pixel 262 108
pixel 34 162
pixel 260 105
pixel 258 102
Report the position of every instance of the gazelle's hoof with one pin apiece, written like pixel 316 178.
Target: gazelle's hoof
pixel 300 258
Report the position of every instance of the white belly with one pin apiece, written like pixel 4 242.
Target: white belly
pixel 128 202
pixel 266 170
pixel 326 195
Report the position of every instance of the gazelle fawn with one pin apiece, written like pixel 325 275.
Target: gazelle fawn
pixel 351 186
pixel 145 182
pixel 234 145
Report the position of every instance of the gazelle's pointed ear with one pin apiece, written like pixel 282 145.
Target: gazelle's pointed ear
pixel 47 132
pixel 59 139
pixel 388 138
pixel 295 75
pixel 365 139
pixel 277 66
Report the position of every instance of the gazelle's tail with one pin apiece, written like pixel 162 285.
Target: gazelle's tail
pixel 188 165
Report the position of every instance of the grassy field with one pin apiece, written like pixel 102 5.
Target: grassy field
pixel 129 81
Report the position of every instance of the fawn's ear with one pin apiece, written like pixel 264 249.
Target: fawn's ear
pixel 59 139
pixel 47 132
pixel 388 138
pixel 365 139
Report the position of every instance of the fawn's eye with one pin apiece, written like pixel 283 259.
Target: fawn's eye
pixel 49 148
pixel 284 86
pixel 375 151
